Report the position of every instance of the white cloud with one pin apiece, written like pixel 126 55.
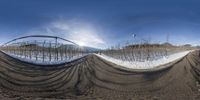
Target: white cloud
pixel 79 32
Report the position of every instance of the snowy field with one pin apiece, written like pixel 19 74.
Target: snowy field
pixel 40 61
pixel 146 64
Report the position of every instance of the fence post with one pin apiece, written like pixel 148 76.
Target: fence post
pixel 43 50
pixel 50 51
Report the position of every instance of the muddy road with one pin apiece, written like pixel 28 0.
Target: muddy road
pixel 91 78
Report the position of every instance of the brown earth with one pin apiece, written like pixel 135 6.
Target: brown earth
pixel 91 78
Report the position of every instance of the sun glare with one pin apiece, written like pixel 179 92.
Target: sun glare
pixel 81 43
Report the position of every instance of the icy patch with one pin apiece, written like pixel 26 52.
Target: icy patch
pixel 146 64
pixel 45 62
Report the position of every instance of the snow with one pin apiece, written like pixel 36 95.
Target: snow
pixel 129 64
pixel 46 61
pixel 146 64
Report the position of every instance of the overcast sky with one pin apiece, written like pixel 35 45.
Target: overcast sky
pixel 102 23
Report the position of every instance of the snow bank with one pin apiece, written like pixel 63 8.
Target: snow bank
pixel 146 64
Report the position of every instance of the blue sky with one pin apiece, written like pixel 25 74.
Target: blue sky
pixel 102 23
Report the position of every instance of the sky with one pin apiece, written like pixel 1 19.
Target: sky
pixel 103 23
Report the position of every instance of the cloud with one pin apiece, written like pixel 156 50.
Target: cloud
pixel 81 33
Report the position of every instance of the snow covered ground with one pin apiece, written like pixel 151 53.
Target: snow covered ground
pixel 146 64
pixel 46 61
pixel 129 64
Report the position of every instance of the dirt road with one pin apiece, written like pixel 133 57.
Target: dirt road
pixel 92 78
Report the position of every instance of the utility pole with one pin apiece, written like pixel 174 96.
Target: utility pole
pixel 167 38
pixel 166 51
